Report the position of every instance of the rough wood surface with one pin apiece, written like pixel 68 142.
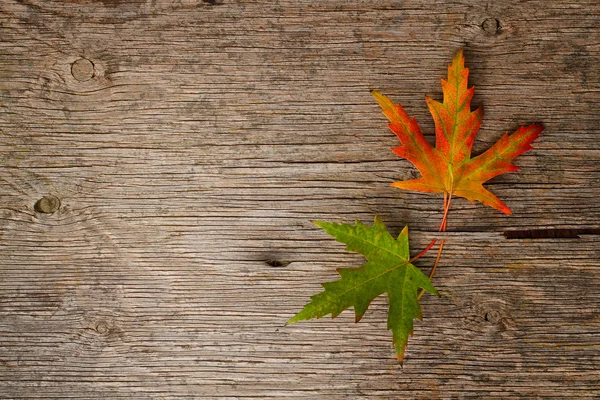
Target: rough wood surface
pixel 161 162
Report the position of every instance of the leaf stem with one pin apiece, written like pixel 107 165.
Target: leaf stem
pixel 447 200
pixel 423 252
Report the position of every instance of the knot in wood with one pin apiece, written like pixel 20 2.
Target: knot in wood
pixel 102 328
pixel 495 313
pixel 82 69
pixel 491 26
pixel 47 205
pixel 493 316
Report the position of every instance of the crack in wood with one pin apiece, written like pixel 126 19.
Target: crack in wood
pixel 554 233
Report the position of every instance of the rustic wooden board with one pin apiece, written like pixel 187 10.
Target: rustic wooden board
pixel 183 147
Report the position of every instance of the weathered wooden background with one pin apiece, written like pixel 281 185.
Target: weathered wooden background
pixel 161 162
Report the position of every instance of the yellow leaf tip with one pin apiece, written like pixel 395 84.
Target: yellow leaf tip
pixel 384 101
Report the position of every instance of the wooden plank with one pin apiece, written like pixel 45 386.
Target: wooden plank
pixel 182 149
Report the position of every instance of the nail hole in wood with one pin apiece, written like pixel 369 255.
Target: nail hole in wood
pixel 277 263
pixel 491 26
pixel 82 69
pixel 47 205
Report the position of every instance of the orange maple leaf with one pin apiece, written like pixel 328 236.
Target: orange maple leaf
pixel 448 168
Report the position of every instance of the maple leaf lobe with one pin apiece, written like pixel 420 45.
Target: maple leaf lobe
pixel 387 270
pixel 448 168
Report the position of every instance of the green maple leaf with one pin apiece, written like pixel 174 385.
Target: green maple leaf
pixel 388 270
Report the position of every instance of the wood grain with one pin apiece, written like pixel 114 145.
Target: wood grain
pixel 161 162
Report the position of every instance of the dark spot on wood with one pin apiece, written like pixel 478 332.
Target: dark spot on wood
pixel 47 205
pixel 82 69
pixel 550 233
pixel 579 62
pixel 112 2
pixel 212 2
pixel 27 3
pixel 491 26
pixel 277 263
